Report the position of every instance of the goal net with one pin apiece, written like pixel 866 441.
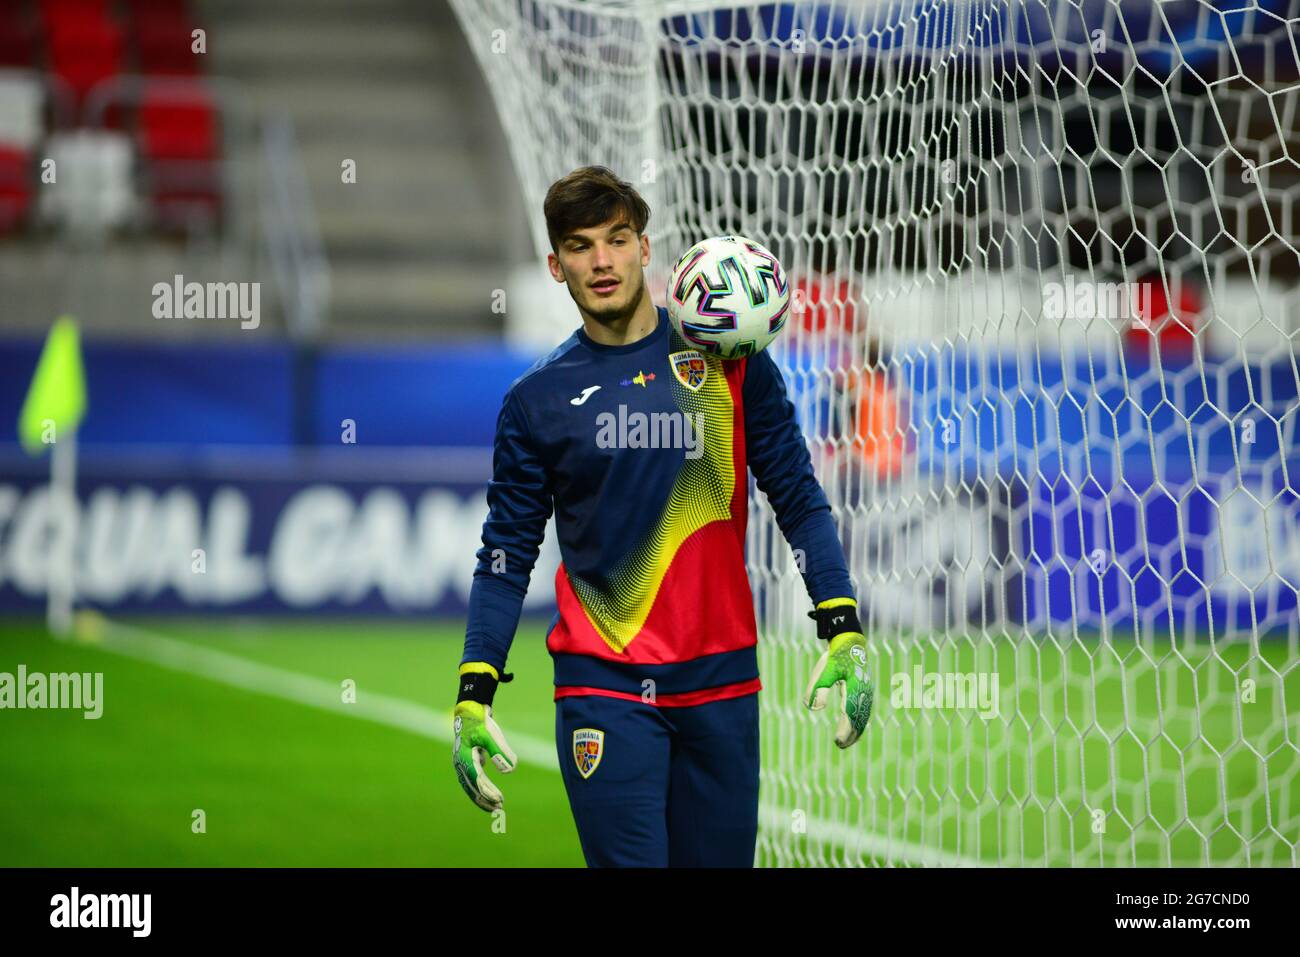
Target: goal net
pixel 1043 349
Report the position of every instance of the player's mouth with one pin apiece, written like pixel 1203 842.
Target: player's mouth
pixel 604 287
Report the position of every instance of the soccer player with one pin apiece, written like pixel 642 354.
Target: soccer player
pixel 654 644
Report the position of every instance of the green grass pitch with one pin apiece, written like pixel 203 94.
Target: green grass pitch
pixel 279 783
pixel 245 721
pixel 1101 754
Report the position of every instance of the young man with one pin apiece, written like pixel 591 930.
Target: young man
pixel 656 671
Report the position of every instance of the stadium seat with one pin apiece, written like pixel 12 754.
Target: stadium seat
pixel 17 35
pixel 178 144
pixel 68 10
pixel 163 46
pixel 84 52
pixel 21 99
pixel 143 10
pixel 94 188
pixel 178 125
pixel 15 187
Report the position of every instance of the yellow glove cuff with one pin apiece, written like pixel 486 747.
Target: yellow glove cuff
pixel 478 667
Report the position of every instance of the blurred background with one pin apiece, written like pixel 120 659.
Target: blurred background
pixel 327 457
pixel 1043 345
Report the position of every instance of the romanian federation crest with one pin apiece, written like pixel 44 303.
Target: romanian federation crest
pixel 588 748
pixel 690 367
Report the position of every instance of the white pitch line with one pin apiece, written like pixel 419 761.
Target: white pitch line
pixel 324 695
pixel 303 689
pixel 884 848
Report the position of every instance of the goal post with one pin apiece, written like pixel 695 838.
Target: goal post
pixel 1043 346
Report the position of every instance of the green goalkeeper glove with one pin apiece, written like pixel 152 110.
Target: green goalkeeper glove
pixel 843 665
pixel 477 735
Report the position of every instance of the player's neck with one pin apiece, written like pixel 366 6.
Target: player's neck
pixel 642 322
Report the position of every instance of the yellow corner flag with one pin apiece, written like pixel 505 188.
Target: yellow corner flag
pixel 56 400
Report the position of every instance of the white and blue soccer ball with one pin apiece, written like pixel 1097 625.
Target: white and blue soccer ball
pixel 728 296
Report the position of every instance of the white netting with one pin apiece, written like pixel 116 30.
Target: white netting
pixel 1046 265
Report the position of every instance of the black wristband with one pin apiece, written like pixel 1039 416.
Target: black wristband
pixel 835 621
pixel 480 686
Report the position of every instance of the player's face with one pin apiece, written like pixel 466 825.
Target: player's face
pixel 603 268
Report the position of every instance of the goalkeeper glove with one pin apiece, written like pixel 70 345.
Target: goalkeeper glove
pixel 477 735
pixel 843 666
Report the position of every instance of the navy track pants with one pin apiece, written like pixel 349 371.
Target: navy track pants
pixel 666 787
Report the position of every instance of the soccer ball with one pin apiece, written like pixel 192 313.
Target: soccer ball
pixel 728 296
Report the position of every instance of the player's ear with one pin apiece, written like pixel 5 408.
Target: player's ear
pixel 553 264
pixel 645 250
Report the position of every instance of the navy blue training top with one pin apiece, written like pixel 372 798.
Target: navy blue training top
pixel 641 451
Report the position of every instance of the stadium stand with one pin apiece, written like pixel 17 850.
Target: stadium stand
pixel 164 163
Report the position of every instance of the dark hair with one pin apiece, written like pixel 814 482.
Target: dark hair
pixel 588 197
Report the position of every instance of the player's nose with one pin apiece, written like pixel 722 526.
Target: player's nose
pixel 601 259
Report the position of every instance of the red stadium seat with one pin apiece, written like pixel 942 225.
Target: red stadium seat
pixel 15 187
pixel 179 145
pixel 84 52
pixel 163 46
pixel 178 125
pixel 63 14
pixel 185 196
pixel 145 10
pixel 90 9
pixel 17 36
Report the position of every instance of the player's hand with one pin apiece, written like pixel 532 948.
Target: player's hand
pixel 841 671
pixel 477 737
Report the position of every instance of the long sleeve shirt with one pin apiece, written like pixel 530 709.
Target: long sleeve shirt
pixel 641 451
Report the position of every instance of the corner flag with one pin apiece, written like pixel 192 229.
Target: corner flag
pixel 57 395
